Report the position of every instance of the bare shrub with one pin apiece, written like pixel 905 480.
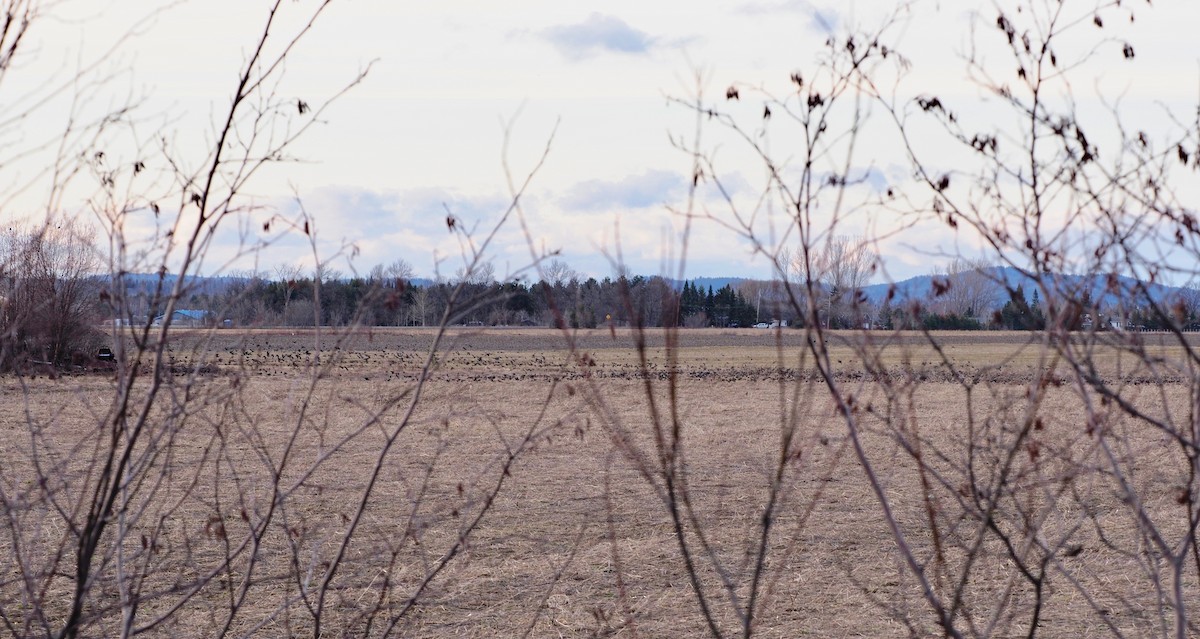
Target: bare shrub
pixel 231 486
pixel 1080 466
pixel 185 494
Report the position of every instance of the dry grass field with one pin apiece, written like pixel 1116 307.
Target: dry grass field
pixel 579 540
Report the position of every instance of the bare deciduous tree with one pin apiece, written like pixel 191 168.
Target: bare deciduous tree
pixel 843 267
pixel 51 296
pixel 176 504
pixel 1056 451
pixel 1067 494
pixel 969 288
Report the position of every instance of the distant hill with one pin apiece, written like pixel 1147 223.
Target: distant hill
pixel 920 286
pixel 912 288
pixel 1007 277
pixel 196 284
pixel 206 284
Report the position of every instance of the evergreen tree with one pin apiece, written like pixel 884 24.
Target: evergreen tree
pixel 1019 315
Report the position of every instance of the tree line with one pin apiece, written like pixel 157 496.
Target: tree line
pixel 377 299
pixel 52 304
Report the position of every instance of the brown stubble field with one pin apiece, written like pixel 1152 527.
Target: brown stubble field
pixel 578 542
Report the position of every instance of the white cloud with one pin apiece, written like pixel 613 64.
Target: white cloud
pixel 598 33
pixel 647 189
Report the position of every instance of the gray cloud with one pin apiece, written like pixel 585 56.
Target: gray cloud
pixel 733 184
pixel 428 206
pixel 361 212
pixel 824 22
pixel 380 224
pixel 599 33
pixel 872 177
pixel 652 188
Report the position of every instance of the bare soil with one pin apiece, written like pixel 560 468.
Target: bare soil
pixel 580 542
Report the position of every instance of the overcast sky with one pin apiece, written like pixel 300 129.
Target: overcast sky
pixel 425 131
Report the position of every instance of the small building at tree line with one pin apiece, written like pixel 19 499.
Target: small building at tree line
pixel 187 318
